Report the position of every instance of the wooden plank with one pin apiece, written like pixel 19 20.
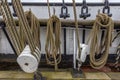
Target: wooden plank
pixel 114 76
pixel 97 75
pixel 52 75
pixel 57 75
pixel 13 75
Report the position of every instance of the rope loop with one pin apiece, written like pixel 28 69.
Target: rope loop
pixel 97 47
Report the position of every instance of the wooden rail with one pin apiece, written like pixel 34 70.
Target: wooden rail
pixel 71 23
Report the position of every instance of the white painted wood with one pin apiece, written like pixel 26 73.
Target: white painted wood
pixel 42 13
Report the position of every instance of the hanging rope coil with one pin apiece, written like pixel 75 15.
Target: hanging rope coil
pixel 52 47
pixel 96 48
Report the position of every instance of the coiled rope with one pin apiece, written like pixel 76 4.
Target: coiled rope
pixel 96 48
pixel 52 46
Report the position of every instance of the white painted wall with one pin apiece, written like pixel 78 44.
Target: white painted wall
pixel 42 13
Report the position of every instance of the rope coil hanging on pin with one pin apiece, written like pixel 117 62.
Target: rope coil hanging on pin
pixel 100 49
pixel 52 47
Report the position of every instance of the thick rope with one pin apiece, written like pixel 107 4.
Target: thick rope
pixel 26 28
pixel 77 32
pixel 52 47
pixel 96 48
pixel 11 27
pixel 34 26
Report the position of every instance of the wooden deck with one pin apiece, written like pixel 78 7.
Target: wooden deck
pixel 50 75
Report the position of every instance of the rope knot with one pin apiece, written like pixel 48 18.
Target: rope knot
pixel 103 20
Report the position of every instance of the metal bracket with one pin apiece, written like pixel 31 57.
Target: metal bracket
pixel 77 74
pixel 107 8
pixel 85 14
pixel 64 14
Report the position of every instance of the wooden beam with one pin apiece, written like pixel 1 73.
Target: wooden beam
pixel 71 23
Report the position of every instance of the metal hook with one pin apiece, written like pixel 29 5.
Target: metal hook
pixel 64 14
pixel 85 14
pixel 107 8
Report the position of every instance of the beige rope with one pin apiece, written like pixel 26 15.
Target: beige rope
pixel 26 28
pixel 13 33
pixel 77 32
pixel 34 26
pixel 102 20
pixel 52 47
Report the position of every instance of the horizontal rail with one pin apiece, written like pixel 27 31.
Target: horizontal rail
pixel 68 4
pixel 71 23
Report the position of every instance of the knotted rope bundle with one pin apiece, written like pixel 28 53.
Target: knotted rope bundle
pixel 102 48
pixel 52 47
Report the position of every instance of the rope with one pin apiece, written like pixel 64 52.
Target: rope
pixel 48 8
pixel 117 35
pixel 96 48
pixel 10 23
pixel 34 26
pixel 26 28
pixel 52 46
pixel 77 32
